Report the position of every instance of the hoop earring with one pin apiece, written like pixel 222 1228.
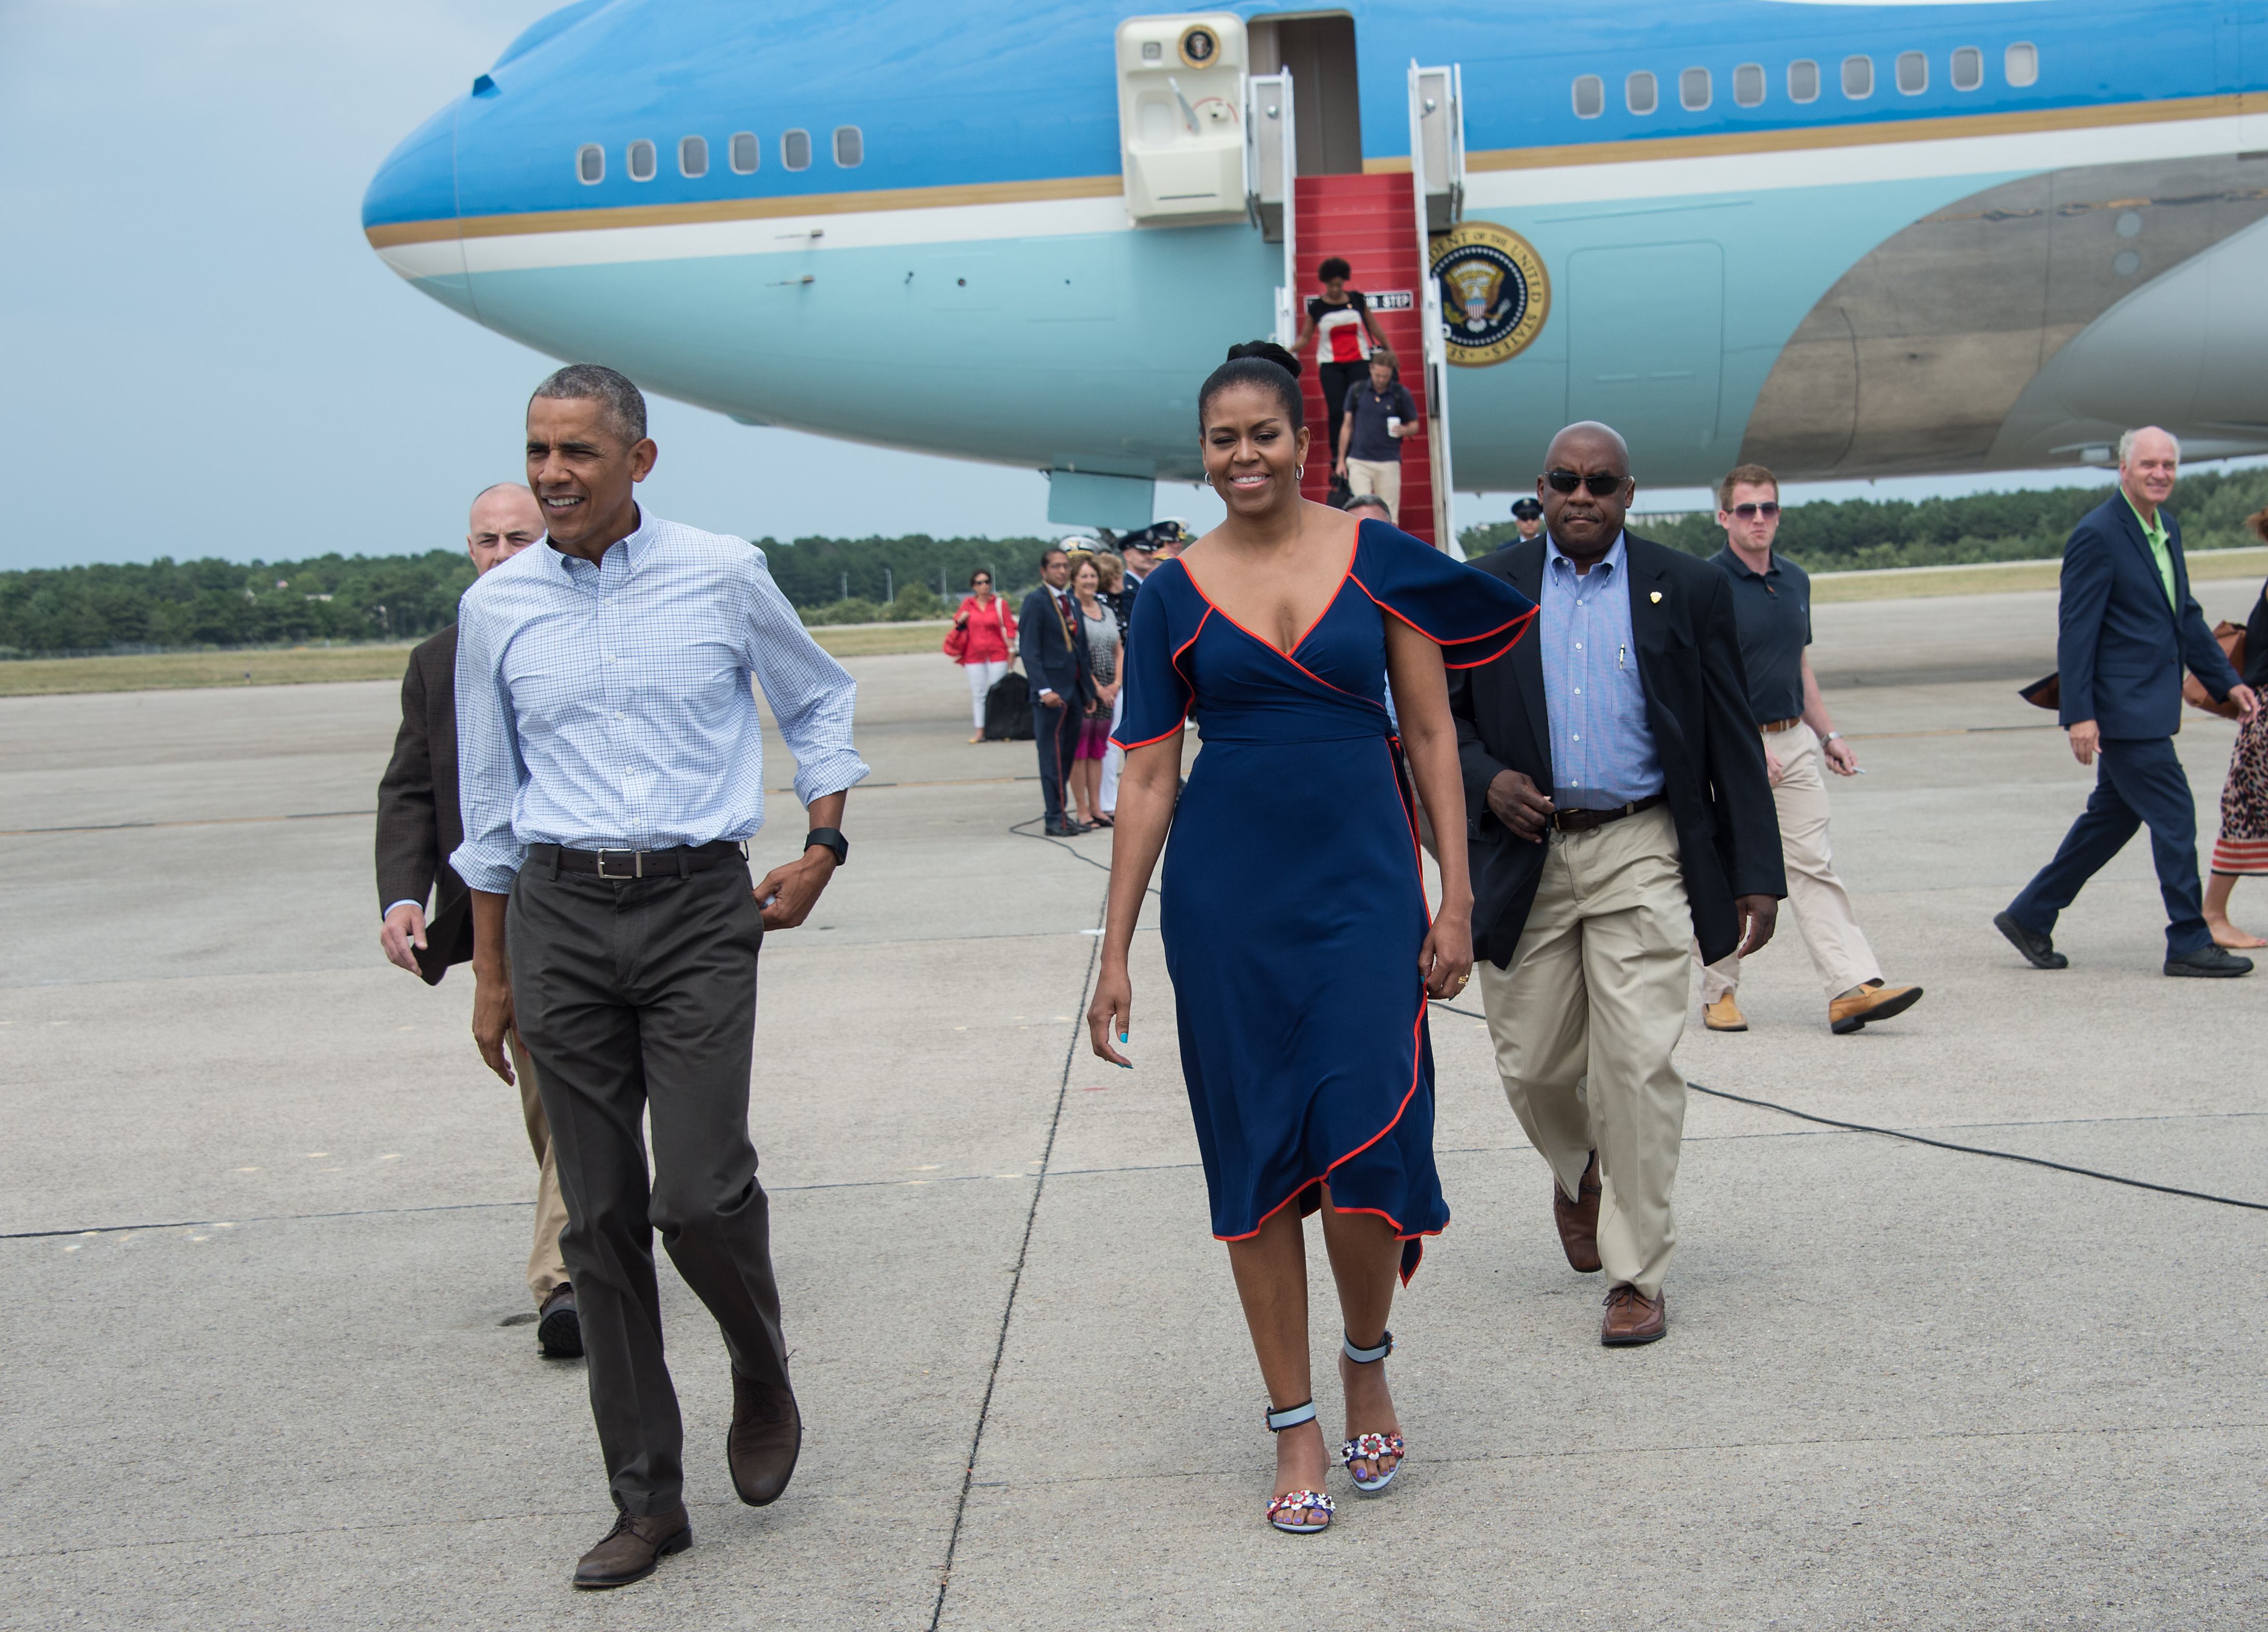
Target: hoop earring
pixel 1299 473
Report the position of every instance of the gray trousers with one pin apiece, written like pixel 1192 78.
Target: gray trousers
pixel 637 998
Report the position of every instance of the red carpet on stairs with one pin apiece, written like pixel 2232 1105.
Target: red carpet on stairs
pixel 1369 222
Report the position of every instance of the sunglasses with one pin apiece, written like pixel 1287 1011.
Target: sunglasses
pixel 1600 486
pixel 1749 513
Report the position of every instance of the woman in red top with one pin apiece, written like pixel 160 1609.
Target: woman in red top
pixel 982 641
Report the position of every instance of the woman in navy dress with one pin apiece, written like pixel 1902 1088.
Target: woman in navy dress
pixel 1295 922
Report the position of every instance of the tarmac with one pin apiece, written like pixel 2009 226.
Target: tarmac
pixel 268 1360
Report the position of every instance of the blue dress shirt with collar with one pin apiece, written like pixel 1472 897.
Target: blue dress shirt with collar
pixel 609 706
pixel 1602 751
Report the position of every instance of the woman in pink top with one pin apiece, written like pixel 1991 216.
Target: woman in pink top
pixel 982 641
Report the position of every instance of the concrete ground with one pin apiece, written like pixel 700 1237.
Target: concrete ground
pixel 267 1362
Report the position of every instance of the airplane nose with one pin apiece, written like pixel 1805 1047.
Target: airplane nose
pixel 409 212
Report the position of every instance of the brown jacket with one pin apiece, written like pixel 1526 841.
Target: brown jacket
pixel 419 825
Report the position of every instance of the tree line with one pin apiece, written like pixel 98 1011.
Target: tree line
pixel 168 604
pixel 1849 535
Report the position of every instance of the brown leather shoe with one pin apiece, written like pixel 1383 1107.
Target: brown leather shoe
pixel 558 1326
pixel 1724 1015
pixel 1633 1317
pixel 766 1437
pixel 1578 1219
pixel 1874 1001
pixel 630 1551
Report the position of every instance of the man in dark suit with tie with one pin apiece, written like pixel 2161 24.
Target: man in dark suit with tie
pixel 418 827
pixel 2128 627
pixel 1053 646
pixel 1618 810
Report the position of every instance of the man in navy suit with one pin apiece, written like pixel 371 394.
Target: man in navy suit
pixel 1062 677
pixel 2129 627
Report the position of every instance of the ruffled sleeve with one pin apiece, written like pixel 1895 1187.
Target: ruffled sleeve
pixel 1157 694
pixel 1473 616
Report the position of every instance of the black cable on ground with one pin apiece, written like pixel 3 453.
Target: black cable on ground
pixel 1948 1144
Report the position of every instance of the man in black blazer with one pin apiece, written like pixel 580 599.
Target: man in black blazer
pixel 419 825
pixel 1618 811
pixel 2128 627
pixel 1053 645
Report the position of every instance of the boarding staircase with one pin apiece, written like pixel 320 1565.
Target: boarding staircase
pixel 1365 220
pixel 1380 224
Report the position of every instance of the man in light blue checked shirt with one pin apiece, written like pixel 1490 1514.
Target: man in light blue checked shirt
pixel 611 768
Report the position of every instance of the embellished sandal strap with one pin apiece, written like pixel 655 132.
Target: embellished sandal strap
pixel 1366 1357
pixel 1290 1416
pixel 1370 1447
pixel 1301 1502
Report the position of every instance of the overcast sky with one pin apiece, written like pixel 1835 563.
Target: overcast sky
pixel 201 356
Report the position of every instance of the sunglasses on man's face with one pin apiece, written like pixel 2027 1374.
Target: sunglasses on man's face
pixel 1749 513
pixel 1600 485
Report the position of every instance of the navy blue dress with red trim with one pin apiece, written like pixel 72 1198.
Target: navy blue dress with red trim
pixel 1294 908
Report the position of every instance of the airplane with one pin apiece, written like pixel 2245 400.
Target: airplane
pixel 1839 239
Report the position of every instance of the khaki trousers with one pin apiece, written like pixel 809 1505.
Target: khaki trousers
pixel 1380 476
pixel 546 1266
pixel 1821 906
pixel 1584 1020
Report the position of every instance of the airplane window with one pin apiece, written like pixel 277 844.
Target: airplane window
pixel 693 156
pixel 1968 69
pixel 1749 85
pixel 2022 65
pixel 1803 81
pixel 1858 78
pixel 1590 96
pixel 1693 90
pixel 1638 91
pixel 641 161
pixel 591 164
pixel 1914 73
pixel 795 149
pixel 744 153
pixel 850 147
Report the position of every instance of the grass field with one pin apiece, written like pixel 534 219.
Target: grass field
pixel 305 665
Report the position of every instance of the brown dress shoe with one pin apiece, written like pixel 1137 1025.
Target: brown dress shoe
pixel 1578 1219
pixel 630 1551
pixel 1633 1317
pixel 558 1326
pixel 1875 1000
pixel 1724 1015
pixel 766 1437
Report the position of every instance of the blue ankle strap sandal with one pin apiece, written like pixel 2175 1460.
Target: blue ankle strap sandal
pixel 1289 1512
pixel 1370 1448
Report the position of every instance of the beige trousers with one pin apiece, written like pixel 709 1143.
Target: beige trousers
pixel 1380 476
pixel 546 1267
pixel 1816 897
pixel 1584 1020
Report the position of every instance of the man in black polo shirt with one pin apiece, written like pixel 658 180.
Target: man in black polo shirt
pixel 1378 414
pixel 1771 601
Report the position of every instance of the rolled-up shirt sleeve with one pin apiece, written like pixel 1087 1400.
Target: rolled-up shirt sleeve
pixel 811 695
pixel 489 769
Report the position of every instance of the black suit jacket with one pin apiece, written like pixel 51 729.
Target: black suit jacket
pixel 419 825
pixel 1051 661
pixel 2120 645
pixel 1697 704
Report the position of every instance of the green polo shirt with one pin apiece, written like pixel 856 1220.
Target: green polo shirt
pixel 2154 528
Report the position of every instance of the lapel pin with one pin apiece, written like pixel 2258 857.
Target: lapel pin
pixel 1655 597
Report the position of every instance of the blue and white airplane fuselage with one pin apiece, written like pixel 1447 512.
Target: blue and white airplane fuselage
pixel 1839 239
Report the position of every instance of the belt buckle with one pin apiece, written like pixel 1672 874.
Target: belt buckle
pixel 637 863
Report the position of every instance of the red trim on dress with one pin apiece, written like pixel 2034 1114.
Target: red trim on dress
pixel 1173 663
pixel 1518 626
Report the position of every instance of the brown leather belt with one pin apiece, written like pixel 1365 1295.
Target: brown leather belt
pixel 1779 725
pixel 1583 821
pixel 680 862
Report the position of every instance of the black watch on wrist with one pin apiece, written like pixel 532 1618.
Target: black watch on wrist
pixel 829 839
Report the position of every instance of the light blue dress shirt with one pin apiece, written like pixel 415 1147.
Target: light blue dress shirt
pixel 609 706
pixel 1602 751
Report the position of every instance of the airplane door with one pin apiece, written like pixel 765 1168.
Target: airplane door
pixel 1645 334
pixel 1181 117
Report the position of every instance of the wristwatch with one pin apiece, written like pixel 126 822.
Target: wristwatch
pixel 1832 735
pixel 829 839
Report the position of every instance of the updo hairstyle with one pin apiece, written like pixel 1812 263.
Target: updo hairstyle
pixel 1260 362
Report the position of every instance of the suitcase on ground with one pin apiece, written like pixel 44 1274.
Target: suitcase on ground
pixel 1008 709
